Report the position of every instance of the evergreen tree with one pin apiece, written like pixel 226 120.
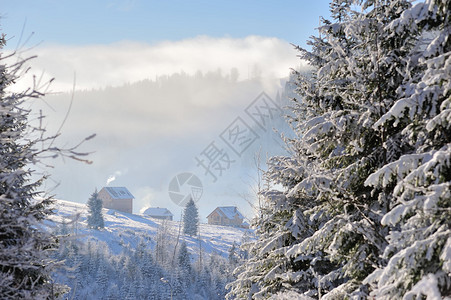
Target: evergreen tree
pixel 64 230
pixel 184 261
pixel 112 292
pixel 365 205
pixel 162 244
pixel 95 217
pixel 232 256
pixel 418 254
pixel 102 276
pixel 190 219
pixel 25 265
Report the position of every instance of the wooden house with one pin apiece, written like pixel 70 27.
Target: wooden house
pixel 118 198
pixel 158 213
pixel 226 215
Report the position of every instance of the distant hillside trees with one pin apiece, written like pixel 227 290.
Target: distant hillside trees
pixel 95 217
pixel 362 203
pixel 190 219
pixel 94 270
pixel 162 244
pixel 184 261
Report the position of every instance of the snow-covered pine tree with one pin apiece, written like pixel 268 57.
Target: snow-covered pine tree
pixel 419 251
pixel 163 245
pixel 190 219
pixel 321 235
pixel 25 247
pixel 258 276
pixel 102 276
pixel 184 261
pixel 95 217
pixel 64 229
pixel 232 256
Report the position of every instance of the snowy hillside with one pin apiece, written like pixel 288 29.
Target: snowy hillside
pixel 128 229
pixel 136 257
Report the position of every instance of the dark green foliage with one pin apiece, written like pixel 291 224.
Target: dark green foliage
pixel 25 246
pixel 95 217
pixel 365 190
pixel 190 219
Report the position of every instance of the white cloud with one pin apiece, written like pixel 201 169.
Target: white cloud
pixel 138 116
pixel 98 66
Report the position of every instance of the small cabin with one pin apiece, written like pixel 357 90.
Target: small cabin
pixel 158 213
pixel 118 198
pixel 226 216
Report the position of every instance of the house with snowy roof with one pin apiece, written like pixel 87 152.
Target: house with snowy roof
pixel 118 198
pixel 226 215
pixel 158 213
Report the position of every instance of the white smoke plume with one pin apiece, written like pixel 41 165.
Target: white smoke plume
pixel 112 178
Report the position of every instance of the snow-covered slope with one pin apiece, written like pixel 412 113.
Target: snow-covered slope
pixel 122 229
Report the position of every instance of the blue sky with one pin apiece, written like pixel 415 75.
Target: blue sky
pixel 85 22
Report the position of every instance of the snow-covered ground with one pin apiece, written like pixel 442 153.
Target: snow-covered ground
pixel 123 228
